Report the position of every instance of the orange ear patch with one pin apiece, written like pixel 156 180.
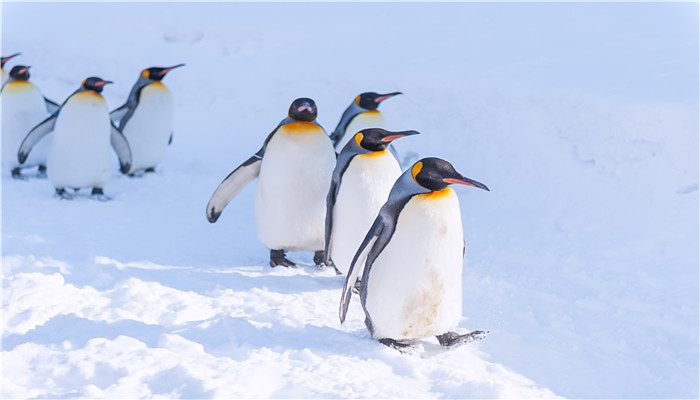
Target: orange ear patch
pixel 358 138
pixel 416 169
pixel 144 73
pixel 357 100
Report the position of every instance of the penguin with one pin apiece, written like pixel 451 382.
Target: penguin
pixel 3 61
pixel 413 255
pixel 23 106
pixel 79 155
pixel 294 168
pixel 362 113
pixel 146 119
pixel 363 176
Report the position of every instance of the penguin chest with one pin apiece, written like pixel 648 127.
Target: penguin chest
pixel 367 119
pixel 414 288
pixel 23 107
pixel 364 188
pixel 80 151
pixel 292 186
pixel 149 128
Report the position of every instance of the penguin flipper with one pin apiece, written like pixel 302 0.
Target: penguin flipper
pixel 118 113
pixel 170 141
pixel 121 147
pixel 368 244
pixel 34 136
pixel 51 106
pixel 232 185
pixel 342 163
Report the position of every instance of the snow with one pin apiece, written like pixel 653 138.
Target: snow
pixel 582 261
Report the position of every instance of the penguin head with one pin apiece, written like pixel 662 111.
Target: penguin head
pixel 95 83
pixel 377 139
pixel 19 73
pixel 5 59
pixel 371 100
pixel 303 109
pixel 435 174
pixel 158 73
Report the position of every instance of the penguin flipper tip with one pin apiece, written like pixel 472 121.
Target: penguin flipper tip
pixel 213 215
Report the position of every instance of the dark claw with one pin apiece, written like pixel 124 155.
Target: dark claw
pixel 451 339
pixel 63 195
pixel 277 258
pixel 99 195
pixel 41 172
pixel 395 344
pixel 17 174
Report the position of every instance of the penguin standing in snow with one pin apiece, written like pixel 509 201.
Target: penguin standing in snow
pixel 23 106
pixel 362 180
pixel 146 119
pixel 362 113
pixel 413 256
pixel 3 61
pixel 294 168
pixel 80 155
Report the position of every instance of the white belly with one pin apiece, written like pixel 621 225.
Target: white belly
pixel 23 107
pixel 149 128
pixel 80 152
pixel 295 175
pixel 414 288
pixel 363 190
pixel 368 119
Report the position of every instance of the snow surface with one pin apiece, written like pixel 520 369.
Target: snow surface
pixel 582 261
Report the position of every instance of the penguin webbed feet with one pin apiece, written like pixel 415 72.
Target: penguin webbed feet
pixel 41 172
pixel 17 174
pixel 321 261
pixel 278 258
pixel 453 339
pixel 62 194
pixel 396 344
pixel 99 195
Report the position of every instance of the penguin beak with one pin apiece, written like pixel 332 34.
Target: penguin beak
pixel 397 135
pixel 383 97
pixel 166 70
pixel 463 180
pixel 306 107
pixel 3 60
pixel 24 70
pixel 102 83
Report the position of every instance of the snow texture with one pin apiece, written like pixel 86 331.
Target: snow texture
pixel 582 261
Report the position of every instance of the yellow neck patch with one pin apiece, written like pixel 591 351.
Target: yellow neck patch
pixel 436 194
pixel 372 113
pixel 18 84
pixel 376 153
pixel 89 94
pixel 301 127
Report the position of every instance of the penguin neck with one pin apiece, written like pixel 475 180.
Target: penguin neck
pixel 351 112
pixel 436 194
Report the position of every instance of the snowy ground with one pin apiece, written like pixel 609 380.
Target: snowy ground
pixel 582 261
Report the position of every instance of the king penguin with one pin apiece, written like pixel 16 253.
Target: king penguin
pixel 362 113
pixel 3 61
pixel 294 168
pixel 23 106
pixel 146 119
pixel 79 155
pixel 362 179
pixel 413 256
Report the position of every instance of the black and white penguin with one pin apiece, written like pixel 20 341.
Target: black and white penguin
pixel 3 61
pixel 294 168
pixel 363 176
pixel 146 119
pixel 23 106
pixel 412 260
pixel 362 113
pixel 79 154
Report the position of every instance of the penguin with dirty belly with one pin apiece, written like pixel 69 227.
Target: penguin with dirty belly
pixel 412 260
pixel 146 119
pixel 23 106
pixel 79 154
pixel 363 176
pixel 294 168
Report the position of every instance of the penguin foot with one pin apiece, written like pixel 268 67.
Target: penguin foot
pixel 321 262
pixel 136 174
pixel 357 287
pixel 149 170
pixel 17 174
pixel 99 195
pixel 277 258
pixel 395 344
pixel 451 339
pixel 41 172
pixel 63 195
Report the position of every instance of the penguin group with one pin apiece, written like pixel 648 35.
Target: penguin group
pixel 72 143
pixel 396 235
